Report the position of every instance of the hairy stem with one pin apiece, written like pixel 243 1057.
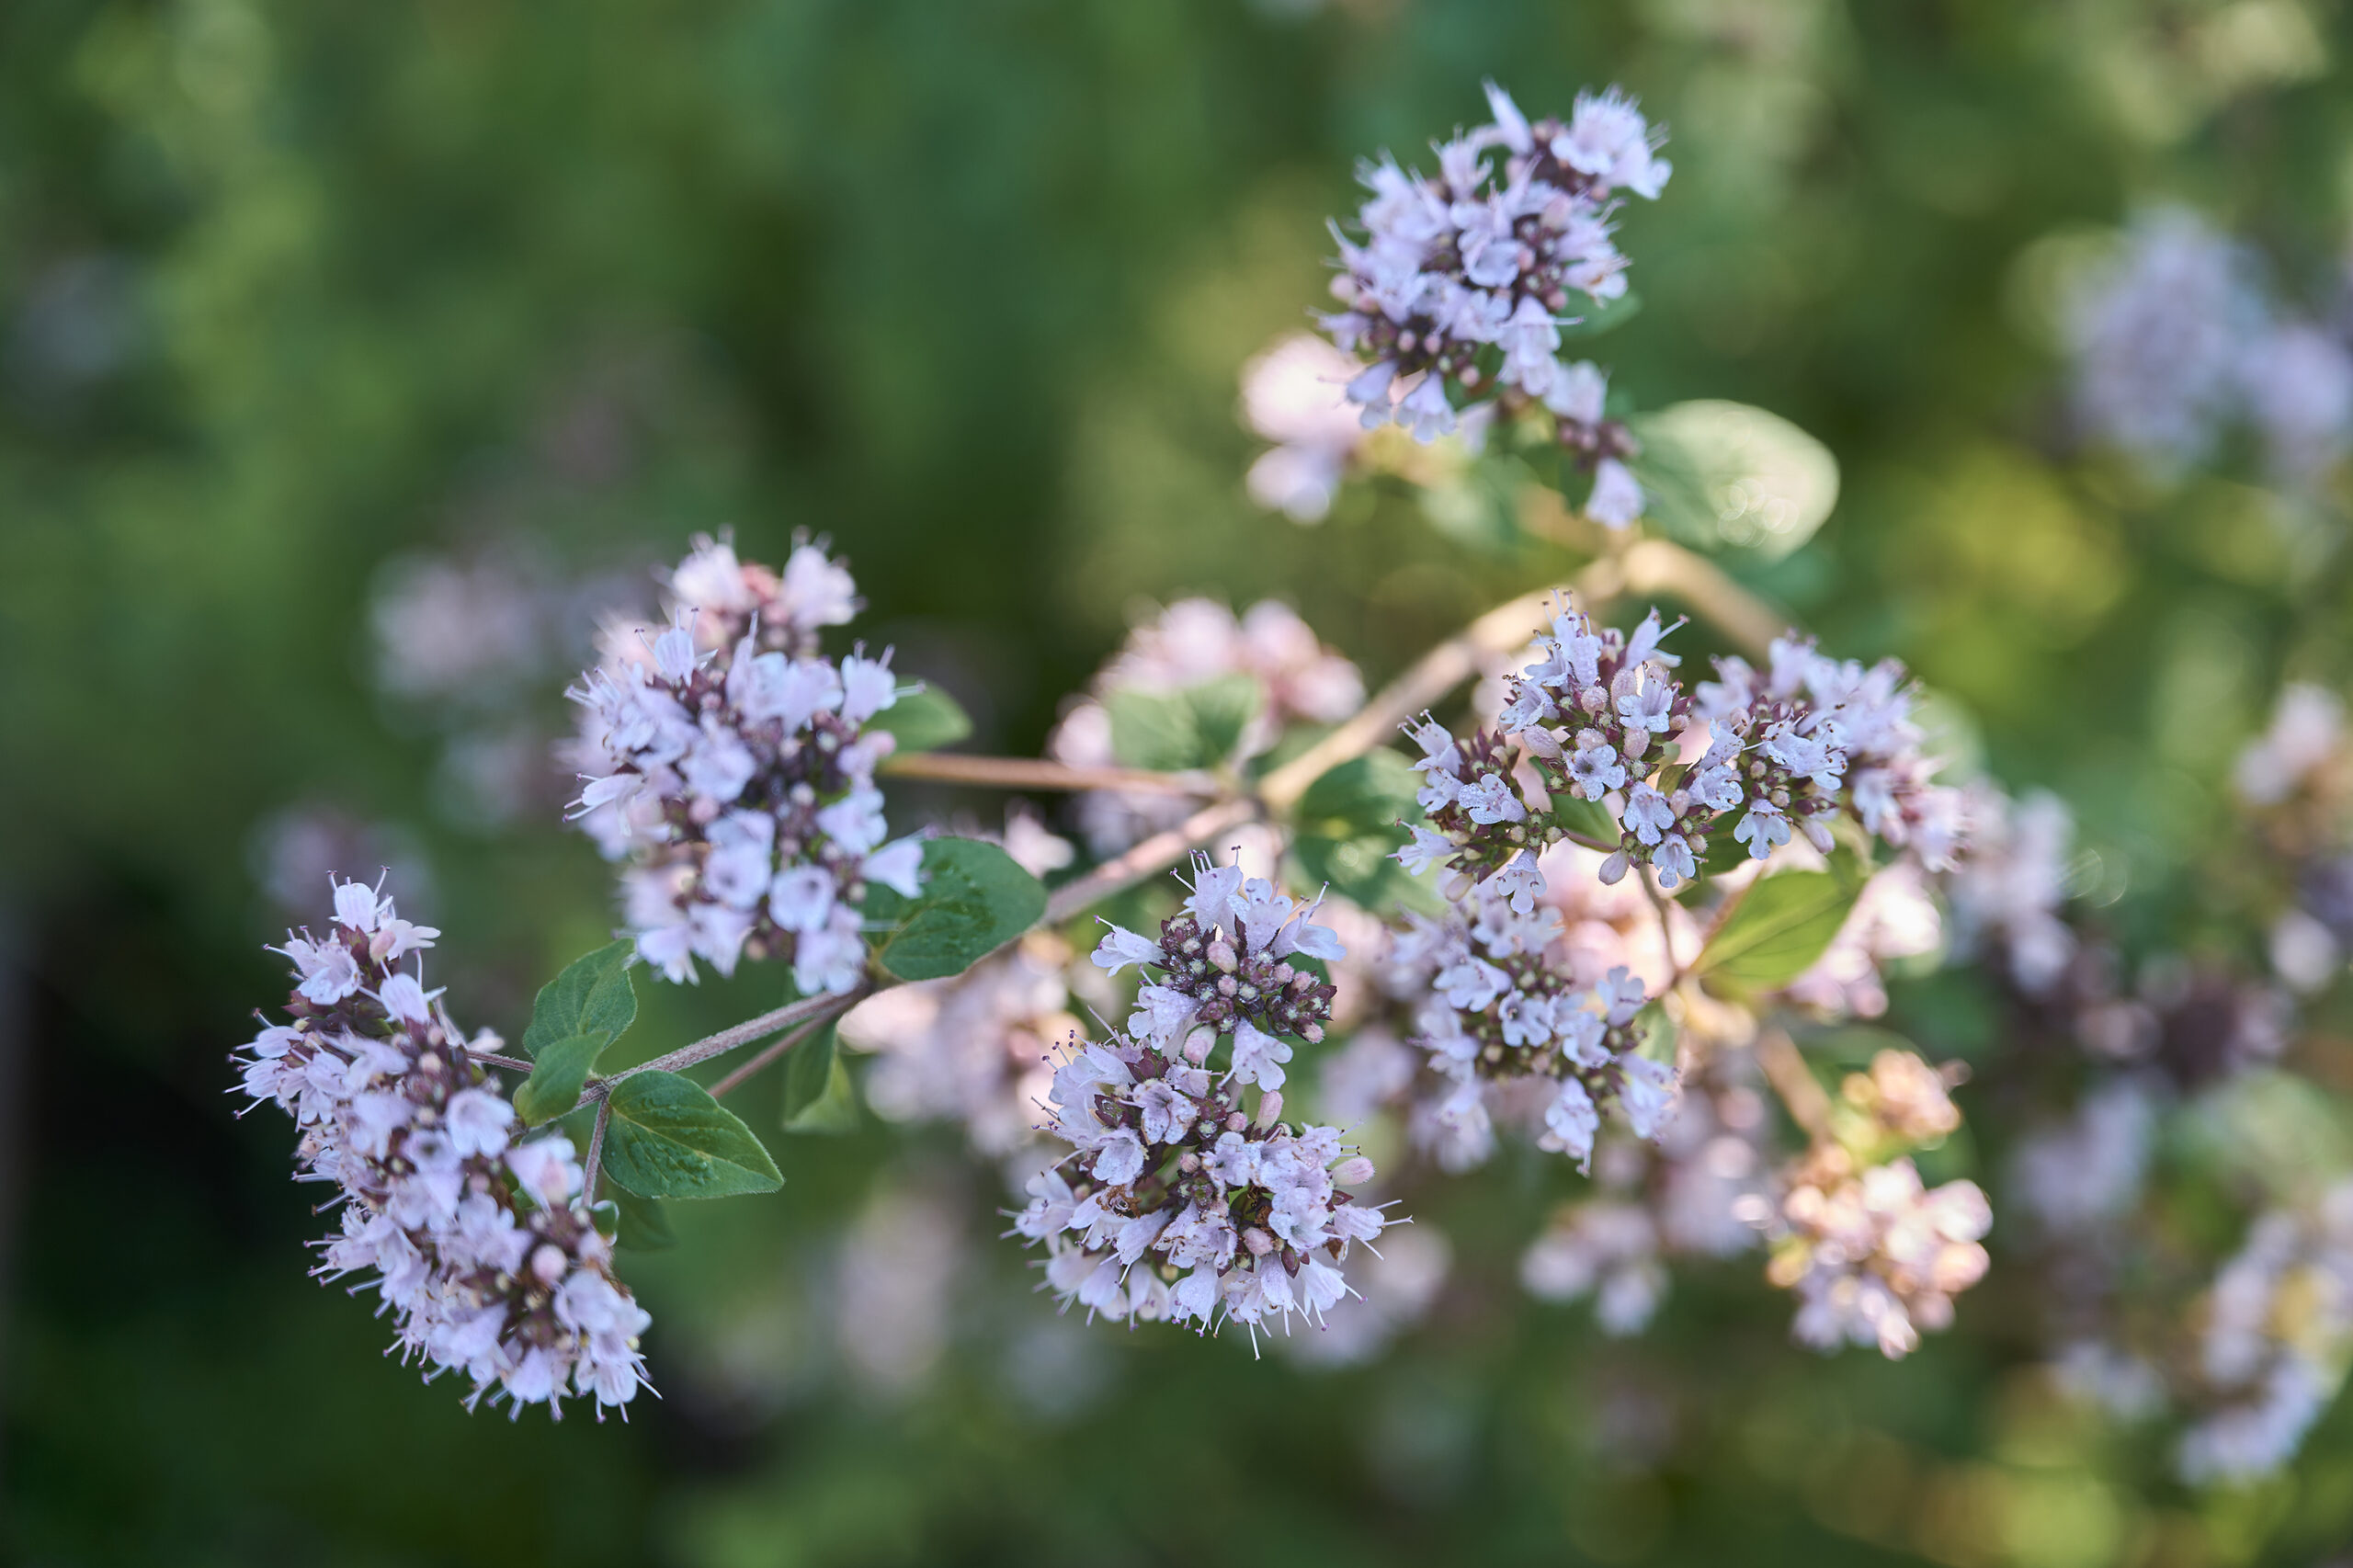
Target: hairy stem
pixel 736 1074
pixel 1793 1082
pixel 597 1146
pixel 1641 566
pixel 512 1064
pixel 1654 566
pixel 1156 854
pixel 1028 773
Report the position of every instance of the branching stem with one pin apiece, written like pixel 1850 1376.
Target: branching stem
pixel 1641 566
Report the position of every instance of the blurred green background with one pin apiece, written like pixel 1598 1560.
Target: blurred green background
pixel 294 294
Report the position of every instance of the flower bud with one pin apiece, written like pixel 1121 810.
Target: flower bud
pixel 1258 1242
pixel 1352 1172
pixel 1270 1107
pixel 548 1263
pixel 1613 871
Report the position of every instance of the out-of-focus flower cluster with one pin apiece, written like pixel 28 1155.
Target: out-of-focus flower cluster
pixel 1193 643
pixel 726 762
pixel 479 1245
pixel 2278 1339
pixel 1875 1257
pixel 1684 1197
pixel 974 1048
pixel 1467 278
pixel 2175 341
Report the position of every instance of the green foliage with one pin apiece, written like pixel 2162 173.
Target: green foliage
pixel 1779 924
pixel 924 719
pixel 593 995
pixel 1378 790
pixel 1593 320
pixel 1587 819
pixel 669 1138
pixel 643 1225
pixel 1723 473
pixel 1198 727
pixel 1347 830
pixel 974 900
pixel 557 1079
pixel 818 1094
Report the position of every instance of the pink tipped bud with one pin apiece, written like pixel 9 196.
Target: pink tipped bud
pixel 1236 1121
pixel 1456 886
pixel 1613 871
pixel 1220 954
pixel 1189 1162
pixel 1258 1242
pixel 1354 1171
pixel 548 1264
pixel 1270 1107
pixel 1197 1043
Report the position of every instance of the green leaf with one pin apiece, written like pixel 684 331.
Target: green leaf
pixel 1359 869
pixel 1198 727
pixel 1222 709
pixel 1588 819
pixel 1781 925
pixel 644 1224
pixel 1607 315
pixel 974 900
pixel 1719 473
pixel 669 1138
pixel 818 1094
pixel 924 719
pixel 1364 794
pixel 556 1081
pixel 1152 730
pixel 1726 853
pixel 593 992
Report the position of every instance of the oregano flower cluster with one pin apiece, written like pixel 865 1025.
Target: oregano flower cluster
pixel 479 1243
pixel 1469 277
pixel 1499 1012
pixel 1177 1203
pixel 1602 718
pixel 731 767
pixel 1226 976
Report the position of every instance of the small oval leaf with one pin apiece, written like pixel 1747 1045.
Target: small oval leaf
pixel 819 1096
pixel 923 719
pixel 561 1074
pixel 669 1138
pixel 1725 474
pixel 974 898
pixel 1779 928
pixel 593 992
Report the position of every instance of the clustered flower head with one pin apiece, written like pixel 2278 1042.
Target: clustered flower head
pixel 1291 395
pixel 480 1245
pixel 1226 975
pixel 2175 341
pixel 972 1048
pixel 1190 644
pixel 2007 894
pixel 1176 1203
pixel 1683 1196
pixel 1469 277
pixel 1875 1257
pixel 1499 1010
pixel 2278 1337
pixel 727 762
